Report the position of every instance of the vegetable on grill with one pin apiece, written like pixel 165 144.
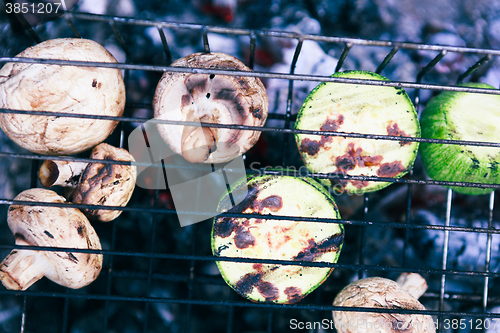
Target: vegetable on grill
pixel 217 99
pixel 94 183
pixel 462 116
pixel 377 292
pixel 50 227
pixel 357 108
pixel 261 238
pixel 65 89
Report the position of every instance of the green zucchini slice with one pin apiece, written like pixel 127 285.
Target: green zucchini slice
pixel 365 109
pixel 462 116
pixel 263 238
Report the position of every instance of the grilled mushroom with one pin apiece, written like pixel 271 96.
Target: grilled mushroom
pixel 379 293
pixel 95 183
pixel 263 238
pixel 50 227
pixel 218 99
pixel 66 89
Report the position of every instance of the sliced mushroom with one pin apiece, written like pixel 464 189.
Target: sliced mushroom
pixel 379 293
pixel 98 183
pixel 50 227
pixel 66 89
pixel 218 99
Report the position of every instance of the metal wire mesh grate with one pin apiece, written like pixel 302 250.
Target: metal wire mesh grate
pixel 150 252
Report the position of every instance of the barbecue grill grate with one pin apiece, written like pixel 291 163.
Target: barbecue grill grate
pixel 277 315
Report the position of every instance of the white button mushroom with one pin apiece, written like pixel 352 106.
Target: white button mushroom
pixel 50 227
pixel 379 293
pixel 66 89
pixel 218 99
pixel 95 183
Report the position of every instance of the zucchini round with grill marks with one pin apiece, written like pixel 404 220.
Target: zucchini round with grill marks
pixel 355 108
pixel 462 116
pixel 263 238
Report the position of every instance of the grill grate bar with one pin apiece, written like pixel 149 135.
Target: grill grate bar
pixel 244 304
pixel 474 67
pixel 400 225
pixel 354 267
pixel 387 59
pixel 119 37
pixel 65 313
pixel 279 34
pixel 488 250
pixel 266 75
pixel 251 61
pixel 430 65
pixel 164 42
pixel 191 277
pixel 72 26
pixel 289 101
pixel 343 55
pixel 445 257
pixel 109 282
pixel 362 232
pixel 253 128
pixel 206 46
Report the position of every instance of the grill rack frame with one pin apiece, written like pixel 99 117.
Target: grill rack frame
pixel 114 22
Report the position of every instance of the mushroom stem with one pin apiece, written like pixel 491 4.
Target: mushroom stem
pixel 197 143
pixel 21 268
pixel 413 283
pixel 61 173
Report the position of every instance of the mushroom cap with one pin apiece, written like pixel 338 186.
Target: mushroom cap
pixel 57 227
pixel 220 99
pixel 67 89
pixel 378 292
pixel 106 184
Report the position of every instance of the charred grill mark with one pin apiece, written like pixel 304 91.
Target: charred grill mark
pixel 390 169
pixel 246 284
pixel 325 139
pixel 268 290
pixel 94 83
pixel 80 231
pixel 196 84
pixel 256 112
pixel 19 236
pixel 231 95
pixel 395 131
pixel 257 267
pixel 48 234
pixel 273 202
pixel 353 157
pixel 309 147
pixel 224 227
pixel 185 100
pixel 243 238
pixel 220 249
pixel 246 203
pixel 332 124
pixel 293 294
pixel 359 183
pixel 72 257
pixel 315 250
